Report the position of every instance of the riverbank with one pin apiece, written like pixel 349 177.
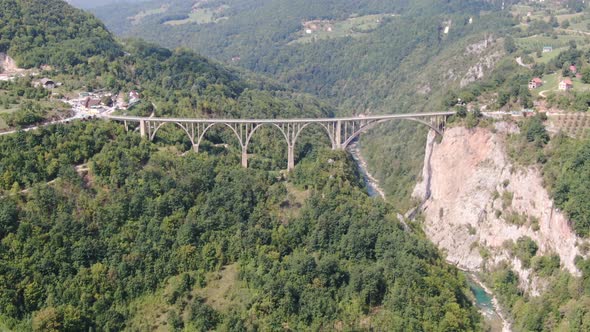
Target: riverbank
pixel 372 183
pixel 487 304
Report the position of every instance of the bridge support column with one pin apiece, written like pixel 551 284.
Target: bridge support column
pixel 290 158
pixel 338 135
pixel 142 130
pixel 245 156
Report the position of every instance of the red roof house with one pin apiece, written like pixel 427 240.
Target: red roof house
pixel 566 84
pixel 535 83
pixel 573 69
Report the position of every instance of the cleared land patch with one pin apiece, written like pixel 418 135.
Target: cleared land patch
pixel 223 291
pixel 201 16
pixel 351 27
pixel 536 43
pixel 551 83
pixel 575 124
pixel 145 13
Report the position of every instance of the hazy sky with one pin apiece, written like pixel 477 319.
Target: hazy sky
pixel 97 3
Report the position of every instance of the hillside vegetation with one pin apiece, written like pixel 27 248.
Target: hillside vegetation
pixel 56 34
pixel 103 230
pixel 75 253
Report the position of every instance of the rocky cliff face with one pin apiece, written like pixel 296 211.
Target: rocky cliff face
pixel 475 196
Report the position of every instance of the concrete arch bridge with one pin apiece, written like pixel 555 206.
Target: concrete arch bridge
pixel 341 131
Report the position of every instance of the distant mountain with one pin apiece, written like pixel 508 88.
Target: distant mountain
pixel 86 4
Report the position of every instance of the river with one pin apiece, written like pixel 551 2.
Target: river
pixel 373 188
pixel 483 299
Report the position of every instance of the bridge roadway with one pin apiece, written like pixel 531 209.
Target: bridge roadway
pixel 341 131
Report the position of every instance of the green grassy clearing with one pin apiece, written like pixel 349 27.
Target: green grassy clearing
pixel 551 84
pixel 200 16
pixel 581 23
pixel 521 10
pixel 145 13
pixel 352 27
pixel 546 57
pixel 579 86
pixel 536 43
pixel 569 17
pixel 223 292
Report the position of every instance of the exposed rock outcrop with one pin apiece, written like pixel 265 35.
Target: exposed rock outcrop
pixel 473 190
pixel 8 64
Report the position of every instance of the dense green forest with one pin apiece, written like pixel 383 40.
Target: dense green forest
pixel 77 252
pixel 52 33
pixel 564 306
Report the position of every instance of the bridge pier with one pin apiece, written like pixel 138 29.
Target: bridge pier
pixel 338 135
pixel 245 156
pixel 290 157
pixel 142 130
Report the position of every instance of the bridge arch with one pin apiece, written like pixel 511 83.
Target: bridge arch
pixel 371 125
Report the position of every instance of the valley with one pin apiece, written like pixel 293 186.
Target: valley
pixel 240 170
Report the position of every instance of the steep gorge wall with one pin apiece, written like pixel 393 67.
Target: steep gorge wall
pixel 470 178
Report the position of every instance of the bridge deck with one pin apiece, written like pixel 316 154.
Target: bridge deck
pixel 190 120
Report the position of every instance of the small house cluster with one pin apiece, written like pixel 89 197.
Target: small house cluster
pixel 317 25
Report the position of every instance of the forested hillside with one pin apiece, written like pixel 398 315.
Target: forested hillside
pixel 77 252
pixel 363 56
pixel 101 230
pixel 52 33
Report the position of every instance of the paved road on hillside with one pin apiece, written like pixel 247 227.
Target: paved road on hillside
pixel 39 126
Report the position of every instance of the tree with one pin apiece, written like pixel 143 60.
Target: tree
pixel 462 111
pixel 47 319
pixel 524 95
pixel 565 24
pixel 535 131
pixel 503 98
pixel 565 70
pixel 8 216
pixel 107 101
pixel 525 249
pixel 585 74
pixel 509 45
